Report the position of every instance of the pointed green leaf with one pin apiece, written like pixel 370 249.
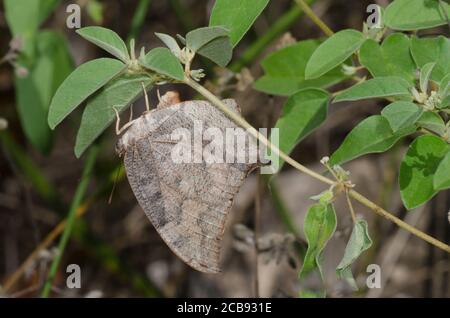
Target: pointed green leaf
pixel 79 85
pixel 170 42
pixel 319 227
pixel 162 61
pixel 99 112
pixel 237 16
pixel 358 243
pixel 108 40
pixel 95 9
pixel 285 70
pixel 444 92
pixel 418 169
pixel 425 74
pixel 402 114
pixel 415 14
pixel 333 52
pixel 432 50
pixel 218 50
pixel 375 88
pixel 433 122
pixel 441 179
pixel 52 63
pixel 372 135
pixel 198 38
pixel 444 87
pixel 303 112
pixel 21 16
pixel 391 58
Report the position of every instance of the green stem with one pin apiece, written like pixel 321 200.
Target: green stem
pixel 79 194
pixel 318 21
pixel 280 26
pixel 138 18
pixel 283 212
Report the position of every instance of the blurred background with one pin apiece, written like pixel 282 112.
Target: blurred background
pixel 119 252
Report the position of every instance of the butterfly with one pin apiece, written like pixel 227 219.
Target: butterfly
pixel 187 202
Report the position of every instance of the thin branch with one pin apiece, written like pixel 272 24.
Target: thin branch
pixel 80 192
pixel 318 21
pixel 350 206
pixel 355 195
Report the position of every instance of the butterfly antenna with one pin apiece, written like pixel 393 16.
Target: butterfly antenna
pixel 147 104
pixel 114 184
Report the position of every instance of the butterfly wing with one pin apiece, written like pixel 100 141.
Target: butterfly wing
pixel 187 203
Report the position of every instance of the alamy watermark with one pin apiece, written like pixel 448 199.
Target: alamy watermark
pixel 218 145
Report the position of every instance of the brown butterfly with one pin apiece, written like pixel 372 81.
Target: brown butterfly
pixel 187 202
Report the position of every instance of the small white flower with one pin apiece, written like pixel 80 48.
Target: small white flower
pixel 325 160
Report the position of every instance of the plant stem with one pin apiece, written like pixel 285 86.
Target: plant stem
pixel 318 21
pixel 280 26
pixel 380 211
pixel 350 206
pixel 262 139
pixel 138 18
pixel 79 194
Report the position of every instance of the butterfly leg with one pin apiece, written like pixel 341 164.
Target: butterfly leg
pixel 125 127
pixel 147 104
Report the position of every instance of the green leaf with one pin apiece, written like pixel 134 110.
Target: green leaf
pixel 319 227
pixel 170 42
pixel 425 74
pixel 411 15
pixel 441 178
pixel 162 61
pixel 285 70
pixel 46 7
pixel 391 58
pixel 218 50
pixel 444 87
pixel 303 112
pixel 237 16
pixel 445 102
pixel 372 135
pixel 432 50
pixel 444 92
pixel 433 122
pixel 376 87
pixel 95 10
pixel 99 112
pixel 198 38
pixel 418 168
pixel 79 85
pixel 108 40
pixel 21 16
pixel 52 63
pixel 402 114
pixel 333 52
pixel 359 242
